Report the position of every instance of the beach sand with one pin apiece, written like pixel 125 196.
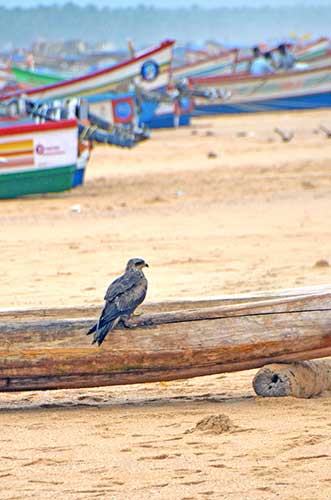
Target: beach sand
pixel 254 216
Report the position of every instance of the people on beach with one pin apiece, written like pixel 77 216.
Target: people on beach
pixel 261 64
pixel 285 59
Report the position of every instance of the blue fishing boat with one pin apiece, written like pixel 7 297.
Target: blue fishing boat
pixel 297 90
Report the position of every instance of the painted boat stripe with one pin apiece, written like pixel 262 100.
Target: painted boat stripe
pixel 97 88
pixel 37 127
pixel 21 162
pixel 70 86
pixel 6 154
pixel 16 146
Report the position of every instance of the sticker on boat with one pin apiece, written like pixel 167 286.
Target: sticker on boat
pixel 149 70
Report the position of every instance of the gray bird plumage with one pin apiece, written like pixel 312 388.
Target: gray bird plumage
pixel 123 296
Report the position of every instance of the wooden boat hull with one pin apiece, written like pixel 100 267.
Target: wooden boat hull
pixel 53 354
pixel 32 78
pixel 167 115
pixel 307 89
pixel 151 114
pixel 38 158
pixel 221 64
pixel 52 180
pixel 290 103
pixel 312 50
pixel 315 54
pixel 153 64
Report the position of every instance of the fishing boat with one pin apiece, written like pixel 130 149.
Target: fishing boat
pixel 38 158
pixel 305 89
pixel 124 108
pixel 36 168
pixel 166 114
pixel 43 349
pixel 115 108
pixel 222 63
pixel 34 78
pixel 5 75
pixel 149 68
pixel 151 110
pixel 314 54
pixel 311 50
pixel 319 60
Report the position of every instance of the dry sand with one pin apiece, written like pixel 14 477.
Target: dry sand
pixel 255 217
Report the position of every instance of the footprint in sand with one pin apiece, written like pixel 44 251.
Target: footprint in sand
pixel 190 483
pixel 163 456
pixel 305 440
pixel 45 461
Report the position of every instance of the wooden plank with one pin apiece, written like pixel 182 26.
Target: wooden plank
pixel 55 354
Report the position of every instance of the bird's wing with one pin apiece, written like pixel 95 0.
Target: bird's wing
pixel 121 285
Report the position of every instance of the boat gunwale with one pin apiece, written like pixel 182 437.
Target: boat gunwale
pixel 245 77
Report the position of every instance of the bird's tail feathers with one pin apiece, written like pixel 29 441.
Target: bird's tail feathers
pixel 101 333
pixel 91 330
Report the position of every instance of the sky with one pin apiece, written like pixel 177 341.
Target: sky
pixel 164 3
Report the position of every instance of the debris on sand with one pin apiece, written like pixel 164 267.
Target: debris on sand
pixel 322 263
pixel 214 424
pixel 307 185
pixel 76 208
pixel 212 154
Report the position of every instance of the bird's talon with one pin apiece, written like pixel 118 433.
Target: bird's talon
pixel 127 323
pixel 147 323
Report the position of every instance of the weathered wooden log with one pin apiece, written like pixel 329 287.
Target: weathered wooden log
pixel 302 379
pixel 53 354
pixel 89 311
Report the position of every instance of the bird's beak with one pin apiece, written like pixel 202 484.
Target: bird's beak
pixel 146 265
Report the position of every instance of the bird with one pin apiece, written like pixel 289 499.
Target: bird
pixel 326 131
pixel 123 296
pixel 286 136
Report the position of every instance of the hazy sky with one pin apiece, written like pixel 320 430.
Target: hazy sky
pixel 164 3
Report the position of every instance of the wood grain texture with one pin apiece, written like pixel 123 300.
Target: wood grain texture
pixel 54 353
pixel 302 379
pixel 25 314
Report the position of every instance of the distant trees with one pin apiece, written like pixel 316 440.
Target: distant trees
pixel 146 25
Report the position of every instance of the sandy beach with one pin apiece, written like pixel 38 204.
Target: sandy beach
pixel 223 206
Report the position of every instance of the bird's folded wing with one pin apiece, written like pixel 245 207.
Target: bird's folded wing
pixel 121 285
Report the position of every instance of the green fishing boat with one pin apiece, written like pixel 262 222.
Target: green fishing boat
pixel 38 158
pixel 33 78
